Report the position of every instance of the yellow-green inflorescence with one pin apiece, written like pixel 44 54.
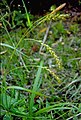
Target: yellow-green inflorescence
pixel 55 76
pixel 58 62
pixel 57 16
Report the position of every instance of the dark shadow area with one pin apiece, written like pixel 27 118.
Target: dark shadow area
pixel 40 6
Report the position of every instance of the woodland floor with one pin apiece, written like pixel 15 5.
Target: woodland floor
pixel 19 66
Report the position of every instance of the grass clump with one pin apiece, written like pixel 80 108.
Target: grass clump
pixel 40 86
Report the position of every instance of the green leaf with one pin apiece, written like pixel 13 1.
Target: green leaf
pixel 6 100
pixel 35 87
pixel 24 89
pixel 7 117
pixel 57 106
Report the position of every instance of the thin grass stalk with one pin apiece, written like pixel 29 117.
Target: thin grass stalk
pixel 27 16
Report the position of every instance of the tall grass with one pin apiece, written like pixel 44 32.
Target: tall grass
pixel 29 23
pixel 23 87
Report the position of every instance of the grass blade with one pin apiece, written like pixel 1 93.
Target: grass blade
pixel 35 87
pixel 24 89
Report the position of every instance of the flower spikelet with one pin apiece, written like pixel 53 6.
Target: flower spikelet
pixel 58 62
